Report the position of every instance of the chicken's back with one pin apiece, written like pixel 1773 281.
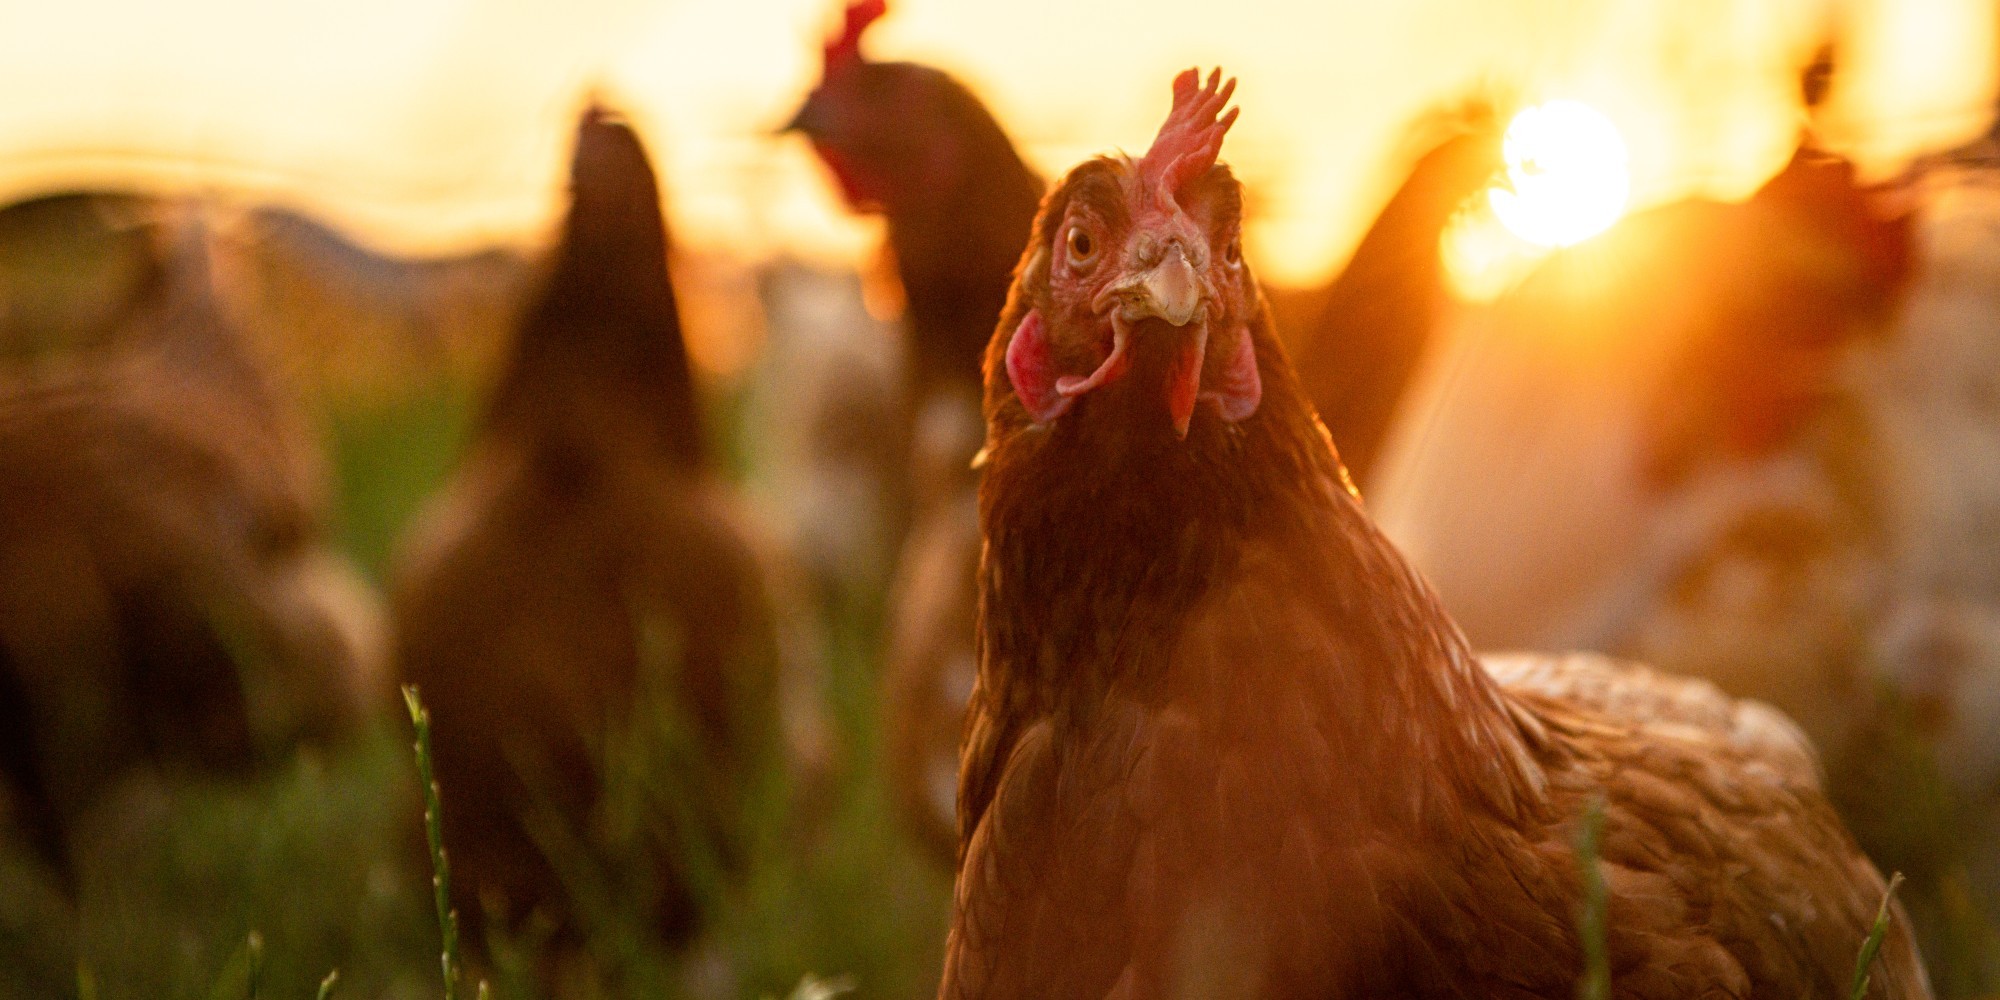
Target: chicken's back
pixel 1724 864
pixel 1638 693
pixel 552 600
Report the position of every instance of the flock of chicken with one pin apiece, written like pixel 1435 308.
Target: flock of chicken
pixel 1182 718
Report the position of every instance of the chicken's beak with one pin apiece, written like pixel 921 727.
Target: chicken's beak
pixel 1172 291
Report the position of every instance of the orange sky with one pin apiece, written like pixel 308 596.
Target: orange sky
pixel 434 125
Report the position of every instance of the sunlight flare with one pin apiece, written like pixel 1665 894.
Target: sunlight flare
pixel 1568 174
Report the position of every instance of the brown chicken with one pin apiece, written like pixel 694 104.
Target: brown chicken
pixel 916 145
pixel 581 591
pixel 1225 741
pixel 168 596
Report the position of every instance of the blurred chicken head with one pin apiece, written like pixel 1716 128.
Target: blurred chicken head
pixel 891 132
pixel 1137 266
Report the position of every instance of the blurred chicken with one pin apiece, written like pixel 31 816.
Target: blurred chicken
pixel 1226 742
pixel 582 591
pixel 72 266
pixel 1359 338
pixel 823 422
pixel 168 598
pixel 1676 420
pixel 916 145
pixel 1758 444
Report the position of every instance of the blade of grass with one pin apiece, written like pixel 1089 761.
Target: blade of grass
pixel 255 944
pixel 1592 917
pixel 326 985
pixel 240 974
pixel 812 987
pixel 448 959
pixel 1872 947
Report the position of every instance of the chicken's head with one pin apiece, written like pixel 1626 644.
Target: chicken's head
pixel 892 133
pixel 1136 276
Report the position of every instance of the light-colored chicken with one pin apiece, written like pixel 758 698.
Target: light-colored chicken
pixel 823 427
pixel 1769 459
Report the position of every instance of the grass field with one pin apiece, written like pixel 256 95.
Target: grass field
pixel 323 861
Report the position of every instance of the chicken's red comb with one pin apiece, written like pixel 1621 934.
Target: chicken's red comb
pixel 845 47
pixel 1192 134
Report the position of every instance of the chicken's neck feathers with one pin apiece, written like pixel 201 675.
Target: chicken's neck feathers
pixel 1092 571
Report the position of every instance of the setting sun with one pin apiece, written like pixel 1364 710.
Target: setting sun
pixel 1568 174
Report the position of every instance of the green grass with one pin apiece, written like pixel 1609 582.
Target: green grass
pixel 388 457
pixel 1896 800
pixel 1872 946
pixel 242 975
pixel 449 964
pixel 1593 916
pixel 324 858
pixel 316 859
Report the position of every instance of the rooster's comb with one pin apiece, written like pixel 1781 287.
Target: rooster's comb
pixel 1192 135
pixel 845 47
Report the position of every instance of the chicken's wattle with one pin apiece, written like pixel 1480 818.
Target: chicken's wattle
pixel 1047 392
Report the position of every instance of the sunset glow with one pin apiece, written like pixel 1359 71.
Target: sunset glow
pixel 429 126
pixel 1568 174
pixel 1483 258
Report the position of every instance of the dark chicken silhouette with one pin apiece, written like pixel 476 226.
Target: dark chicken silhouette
pixel 581 586
pixel 1225 741
pixel 915 144
pixel 1811 262
pixel 1360 337
pixel 168 599
pixel 912 143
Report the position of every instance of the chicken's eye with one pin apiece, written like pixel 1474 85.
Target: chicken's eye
pixel 1081 247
